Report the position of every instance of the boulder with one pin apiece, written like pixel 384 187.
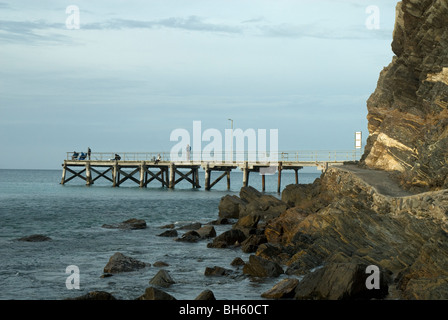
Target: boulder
pixel 152 293
pixel 229 207
pixel 130 224
pixel 228 238
pixel 237 262
pixel 250 194
pixel 252 242
pixel 258 204
pixel 162 279
pixel 206 295
pixel 190 236
pixel 121 263
pixel 160 264
pixel 221 221
pixel 168 233
pixel 283 229
pixel 247 222
pixel 191 226
pixel 285 289
pixel 216 271
pixel 35 238
pixel 260 267
pixel 206 232
pixel 341 281
pixel 95 295
pixel 168 226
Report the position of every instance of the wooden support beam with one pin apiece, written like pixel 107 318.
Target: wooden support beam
pixel 184 176
pixel 142 175
pixel 197 178
pixel 228 179
pixel 88 174
pixel 263 186
pixel 75 174
pixel 218 179
pixel 279 177
pixel 207 177
pixel 115 174
pixel 296 172
pixel 155 176
pixel 245 175
pixel 101 174
pixel 172 175
pixel 64 172
pixel 127 176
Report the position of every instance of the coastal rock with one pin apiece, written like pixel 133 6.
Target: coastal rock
pixel 252 242
pixel 400 232
pixel 260 267
pixel 237 262
pixel 229 207
pixel 130 224
pixel 190 236
pixel 35 238
pixel 283 229
pixel 265 206
pixel 228 238
pixel 120 263
pixel 285 289
pixel 162 279
pixel 191 226
pixel 340 281
pixel 160 264
pixel 204 232
pixel 168 233
pixel 217 271
pixel 206 295
pixel 95 295
pixel 152 293
pixel 408 112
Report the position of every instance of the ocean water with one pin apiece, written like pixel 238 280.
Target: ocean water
pixel 72 215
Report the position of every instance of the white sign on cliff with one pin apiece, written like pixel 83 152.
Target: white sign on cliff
pixel 358 140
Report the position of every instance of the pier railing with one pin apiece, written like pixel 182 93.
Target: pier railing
pixel 236 157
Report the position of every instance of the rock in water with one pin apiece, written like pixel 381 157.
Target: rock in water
pixel 162 279
pixel 282 290
pixel 206 295
pixel 341 281
pixel 260 267
pixel 408 112
pixel 35 238
pixel 121 263
pixel 95 295
pixel 130 224
pixel 152 293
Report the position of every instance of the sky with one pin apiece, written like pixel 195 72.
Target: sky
pixel 136 70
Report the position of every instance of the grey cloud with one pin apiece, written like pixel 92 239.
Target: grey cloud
pixel 25 31
pixel 192 23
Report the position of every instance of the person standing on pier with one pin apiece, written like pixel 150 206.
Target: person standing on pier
pixel 89 152
pixel 188 152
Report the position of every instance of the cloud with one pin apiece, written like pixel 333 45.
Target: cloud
pixel 31 32
pixel 43 31
pixel 191 23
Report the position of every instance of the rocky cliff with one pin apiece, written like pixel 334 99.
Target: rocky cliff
pixel 408 112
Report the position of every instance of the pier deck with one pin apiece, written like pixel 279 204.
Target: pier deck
pixel 142 172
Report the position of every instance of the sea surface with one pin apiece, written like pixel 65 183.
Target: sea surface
pixel 72 215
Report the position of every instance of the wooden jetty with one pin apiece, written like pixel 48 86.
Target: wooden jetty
pixel 142 168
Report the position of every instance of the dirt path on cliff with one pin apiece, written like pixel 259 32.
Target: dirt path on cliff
pixel 378 179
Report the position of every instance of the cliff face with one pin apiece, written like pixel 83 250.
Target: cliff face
pixel 408 112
